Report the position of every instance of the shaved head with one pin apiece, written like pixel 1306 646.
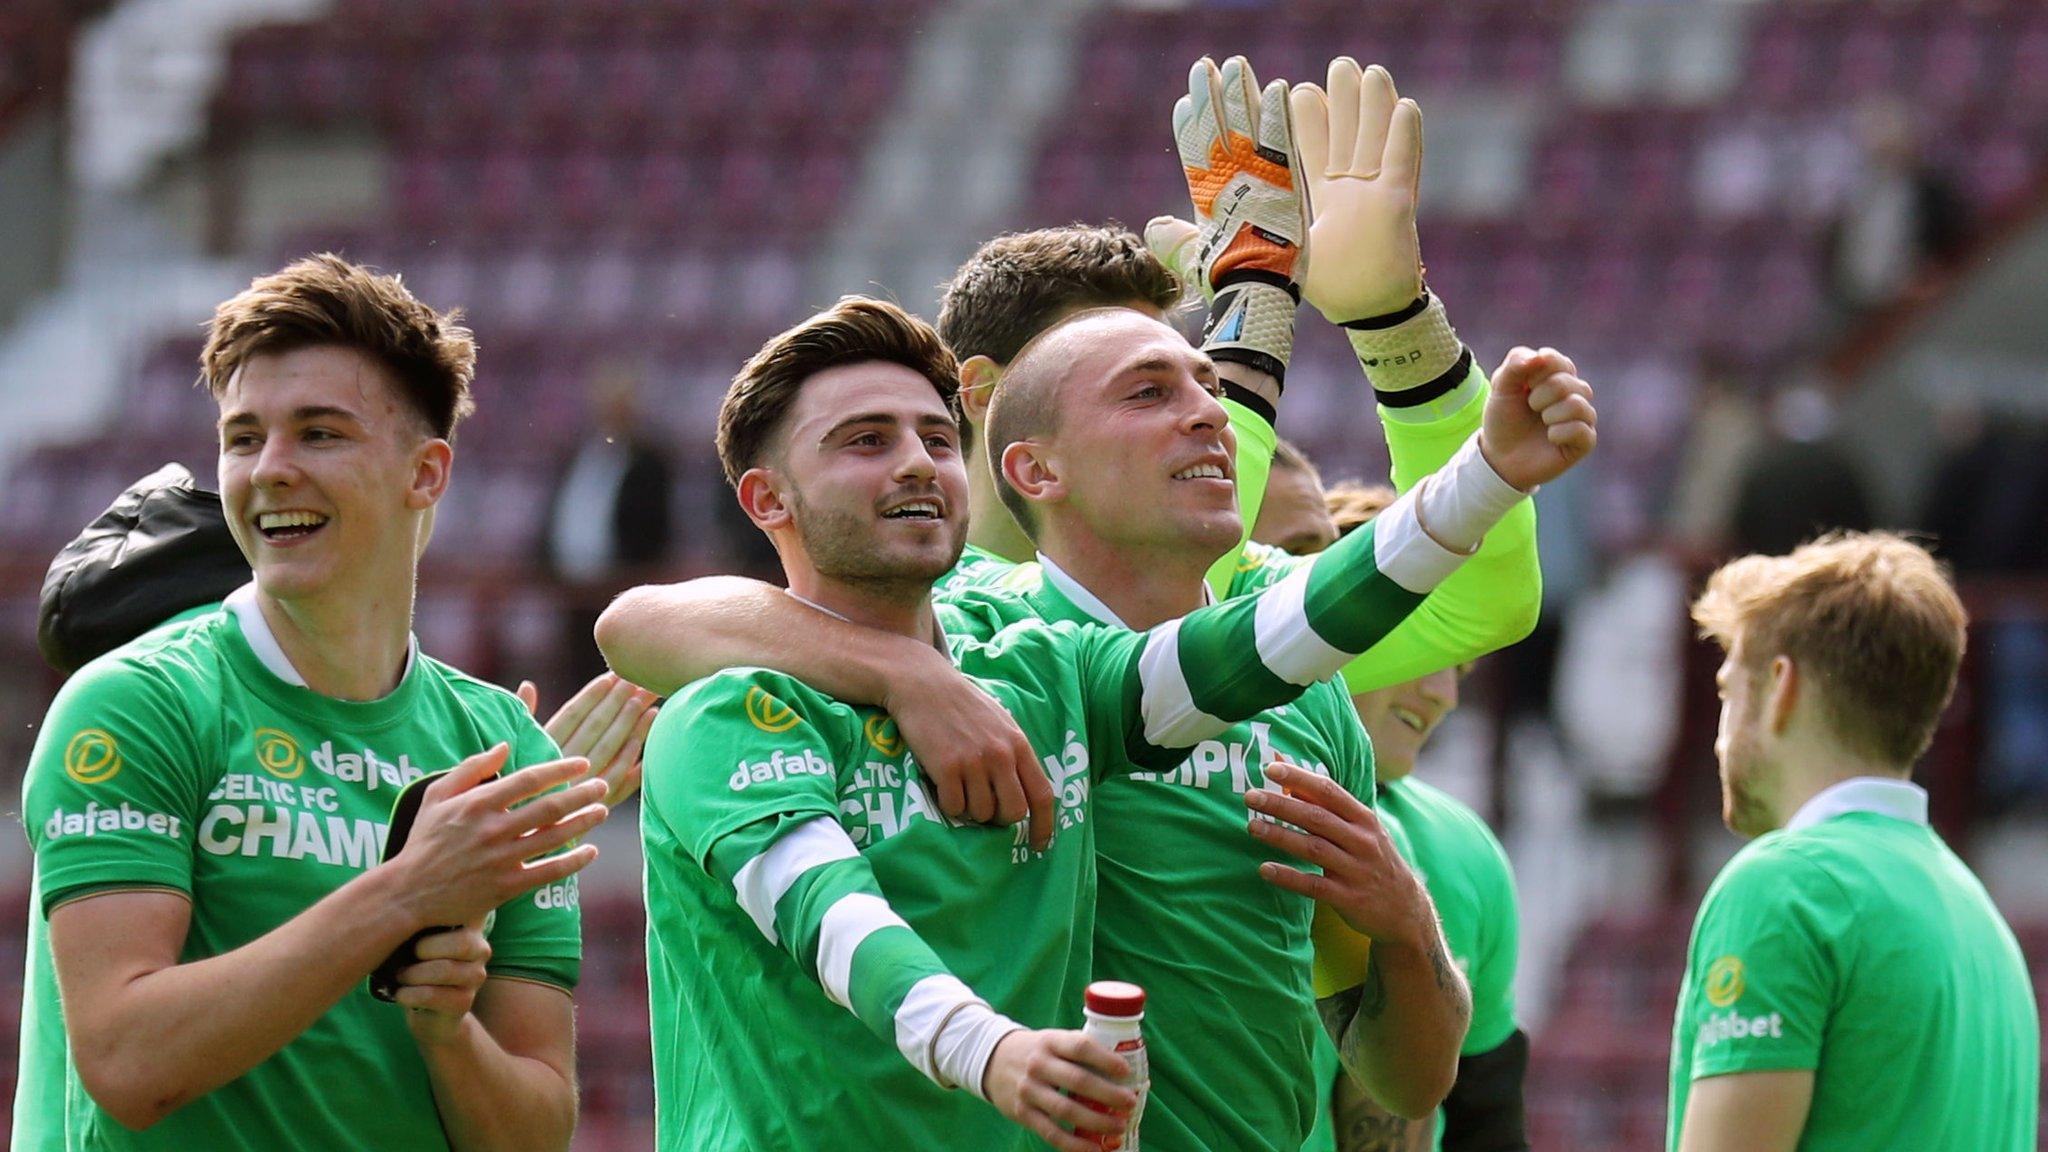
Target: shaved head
pixel 1026 405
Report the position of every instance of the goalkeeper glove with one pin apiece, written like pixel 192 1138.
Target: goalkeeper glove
pixel 1246 247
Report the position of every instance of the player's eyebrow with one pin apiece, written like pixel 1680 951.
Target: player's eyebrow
pixel 873 419
pixel 302 413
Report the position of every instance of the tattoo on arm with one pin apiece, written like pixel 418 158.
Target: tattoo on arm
pixel 1363 1126
pixel 1447 981
pixel 1341 1011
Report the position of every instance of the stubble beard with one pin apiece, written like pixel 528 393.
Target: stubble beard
pixel 845 547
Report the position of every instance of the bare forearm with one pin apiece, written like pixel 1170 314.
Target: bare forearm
pixel 662 637
pixel 1409 1019
pixel 1361 1125
pixel 168 1036
pixel 494 1101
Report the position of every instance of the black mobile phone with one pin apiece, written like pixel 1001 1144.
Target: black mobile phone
pixel 404 810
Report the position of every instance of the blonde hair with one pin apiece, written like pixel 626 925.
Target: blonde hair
pixel 1870 616
pixel 1352 504
pixel 325 300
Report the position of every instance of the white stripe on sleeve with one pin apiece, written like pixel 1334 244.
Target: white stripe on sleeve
pixel 852 918
pixel 1171 718
pixel 948 1033
pixel 761 882
pixel 1466 498
pixel 1288 647
pixel 1403 552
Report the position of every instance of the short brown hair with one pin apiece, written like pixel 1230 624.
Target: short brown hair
pixel 1353 505
pixel 1871 616
pixel 1015 286
pixel 326 300
pixel 855 330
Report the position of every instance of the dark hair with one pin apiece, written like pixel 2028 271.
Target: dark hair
pixel 326 300
pixel 855 330
pixel 1015 286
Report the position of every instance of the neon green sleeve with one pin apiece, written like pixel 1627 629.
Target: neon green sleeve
pixel 1487 604
pixel 1255 443
pixel 1490 602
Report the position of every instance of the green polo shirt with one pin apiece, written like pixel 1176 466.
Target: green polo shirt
pixel 1854 944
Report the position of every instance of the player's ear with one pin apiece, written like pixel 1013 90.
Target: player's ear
pixel 761 498
pixel 1030 469
pixel 432 462
pixel 1783 687
pixel 978 377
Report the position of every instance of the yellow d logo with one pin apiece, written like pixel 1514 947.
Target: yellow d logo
pixel 883 736
pixel 1724 981
pixel 278 753
pixel 92 757
pixel 768 713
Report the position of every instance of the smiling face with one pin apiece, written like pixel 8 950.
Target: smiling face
pixel 1401 719
pixel 1140 444
pixel 867 479
pixel 326 471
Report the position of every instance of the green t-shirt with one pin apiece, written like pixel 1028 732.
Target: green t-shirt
pixel 1861 948
pixel 1472 885
pixel 41 1059
pixel 739 760
pixel 1222 954
pixel 181 762
pixel 779 821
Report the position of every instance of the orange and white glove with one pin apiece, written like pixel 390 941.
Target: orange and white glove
pixel 1361 151
pixel 1247 246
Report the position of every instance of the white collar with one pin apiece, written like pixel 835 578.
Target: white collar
pixel 938 625
pixel 262 641
pixel 1881 795
pixel 1088 601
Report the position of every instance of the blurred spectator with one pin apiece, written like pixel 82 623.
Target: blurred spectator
pixel 1903 216
pixel 608 516
pixel 1986 511
pixel 1799 482
pixel 1726 427
pixel 1989 503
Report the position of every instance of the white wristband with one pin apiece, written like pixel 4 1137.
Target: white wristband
pixel 1465 498
pixel 965 1042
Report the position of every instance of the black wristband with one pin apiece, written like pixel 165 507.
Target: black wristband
pixel 1258 276
pixel 1423 394
pixel 1375 323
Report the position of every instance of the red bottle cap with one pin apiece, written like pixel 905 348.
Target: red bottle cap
pixel 1115 998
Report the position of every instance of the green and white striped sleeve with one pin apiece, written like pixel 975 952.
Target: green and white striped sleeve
pixel 1196 676
pixel 808 889
pixel 762 818
pixel 1491 601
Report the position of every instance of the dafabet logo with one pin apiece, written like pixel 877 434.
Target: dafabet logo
pixel 1724 981
pixel 278 754
pixel 769 714
pixel 92 757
